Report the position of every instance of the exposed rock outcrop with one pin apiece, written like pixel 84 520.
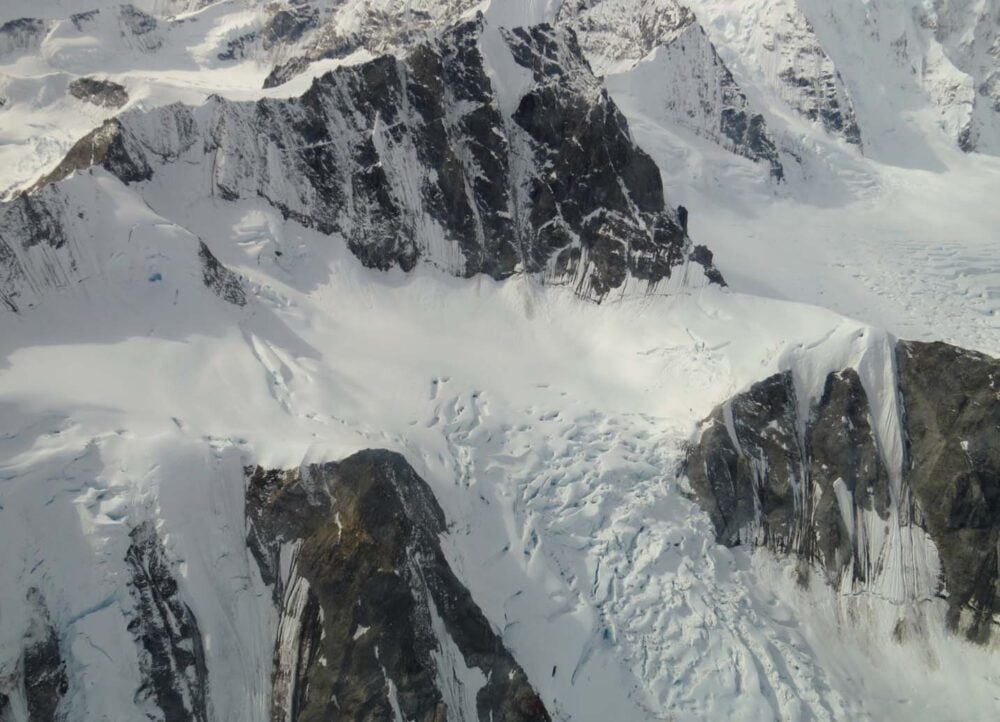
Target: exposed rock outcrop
pixel 423 159
pixel 35 689
pixel 616 34
pixel 105 93
pixel 140 29
pixel 45 680
pixel 589 209
pixel 952 402
pixel 691 87
pixel 21 34
pixel 103 146
pixel 969 37
pixel 172 654
pixel 765 482
pixel 374 624
pixel 812 83
pixel 223 282
pixel 337 30
pixel 815 483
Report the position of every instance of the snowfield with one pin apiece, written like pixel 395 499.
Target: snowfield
pixel 552 430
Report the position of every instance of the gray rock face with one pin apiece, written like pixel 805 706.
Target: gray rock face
pixel 817 487
pixel 970 37
pixel 952 401
pixel 288 25
pixel 172 655
pixel 224 283
pixel 40 680
pixel 45 680
pixel 813 84
pixel 661 43
pixel 336 30
pixel 623 227
pixel 21 34
pixel 283 27
pixel 104 93
pixel 747 131
pixel 104 146
pixel 25 223
pixel 613 31
pixel 413 160
pixel 140 27
pixel 374 624
pixel 765 482
pixel 590 210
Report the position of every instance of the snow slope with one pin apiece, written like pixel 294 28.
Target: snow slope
pixel 559 479
pixel 568 522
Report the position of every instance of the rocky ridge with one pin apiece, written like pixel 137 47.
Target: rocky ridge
pixel 413 159
pixel 660 44
pixel 104 93
pixel 813 479
pixel 35 688
pixel 373 623
pixel 172 657
pixel 614 36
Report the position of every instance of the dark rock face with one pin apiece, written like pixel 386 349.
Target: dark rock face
pixel 814 87
pixel 706 259
pixel 804 486
pixel 26 222
pixel 30 221
pixel 825 105
pixel 40 678
pixel 140 25
pixel 223 282
pixel 284 72
pixel 603 189
pixel 765 482
pixel 238 48
pixel 104 93
pixel 172 655
pixel 80 20
pixel 952 401
pixel 412 159
pixel 336 30
pixel 741 130
pixel 11 276
pixel 44 668
pixel 617 33
pixel 369 605
pixel 748 134
pixel 285 26
pixel 288 25
pixel 21 34
pixel 105 146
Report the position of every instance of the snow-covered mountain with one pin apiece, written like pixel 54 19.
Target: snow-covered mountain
pixel 420 159
pixel 358 360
